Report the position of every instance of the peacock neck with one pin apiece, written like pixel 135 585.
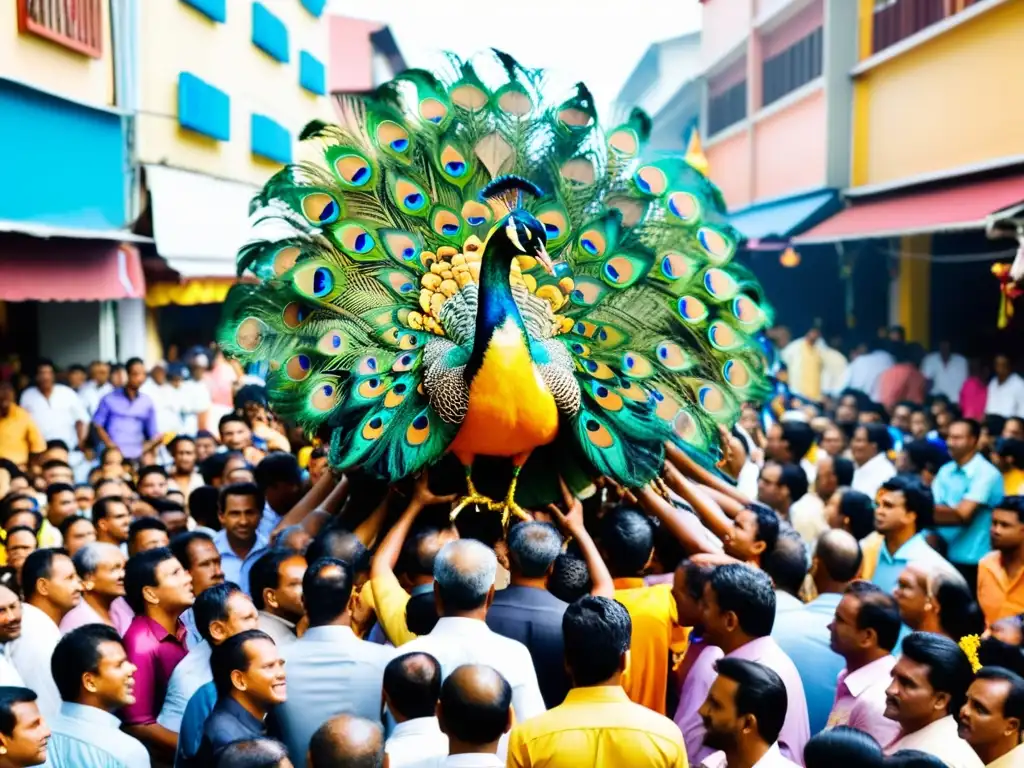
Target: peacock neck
pixel 495 306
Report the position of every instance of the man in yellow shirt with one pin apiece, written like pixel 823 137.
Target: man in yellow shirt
pixel 19 436
pixel 597 724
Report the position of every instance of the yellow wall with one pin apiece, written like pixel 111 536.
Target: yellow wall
pixel 176 38
pixel 914 287
pixel 951 90
pixel 41 63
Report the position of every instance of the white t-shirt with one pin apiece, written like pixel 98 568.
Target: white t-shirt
pixel 947 378
pixel 1006 399
pixel 56 415
pixel 869 476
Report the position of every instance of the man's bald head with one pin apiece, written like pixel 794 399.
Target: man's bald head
pixel 839 554
pixel 475 705
pixel 347 741
pixel 464 573
pixel 412 685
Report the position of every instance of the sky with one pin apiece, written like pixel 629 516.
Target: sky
pixel 597 41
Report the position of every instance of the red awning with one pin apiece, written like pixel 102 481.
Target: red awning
pixel 55 270
pixel 949 209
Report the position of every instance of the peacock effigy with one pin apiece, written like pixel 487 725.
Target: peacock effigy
pixel 476 272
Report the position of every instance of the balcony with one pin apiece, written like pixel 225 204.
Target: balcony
pixel 73 24
pixel 896 20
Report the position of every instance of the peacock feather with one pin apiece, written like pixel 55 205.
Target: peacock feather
pixel 374 313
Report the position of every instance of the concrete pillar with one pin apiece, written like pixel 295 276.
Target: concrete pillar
pixel 131 329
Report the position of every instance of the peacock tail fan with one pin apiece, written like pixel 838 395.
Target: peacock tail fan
pixel 365 306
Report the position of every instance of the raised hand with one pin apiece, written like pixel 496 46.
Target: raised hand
pixel 424 497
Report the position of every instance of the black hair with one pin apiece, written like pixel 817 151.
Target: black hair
pixel 627 537
pixel 10 696
pixel 227 418
pixel 596 631
pixel 337 543
pixel 925 456
pixel 134 361
pixel 58 444
pixel 240 489
pixel 959 614
pixel 843 469
pixel 1012 448
pixel 949 670
pixel 202 505
pixel 206 433
pixel 916 496
pixel 760 692
pixel 151 469
pixel 1013 707
pixel 878 611
pixel 878 435
pixel 266 573
pixel 277 467
pixel 140 572
pixel 7 507
pixel 1013 504
pixel 54 488
pixel 21 529
pixel 253 753
pixel 421 613
pixel 78 652
pixel 859 509
pixel 101 507
pixel 419 550
pixel 38 565
pixel 748 593
pixel 840 562
pixel 841 746
pixel 799 436
pixel 793 478
pixel 212 467
pixel 412 683
pixel 70 521
pixel 570 578
pixel 212 605
pixel 160 506
pixel 467 716
pixel 787 562
pixel 767 524
pixel 973 427
pixel 145 524
pixel 181 546
pixel 533 547
pixel 54 464
pixel 180 439
pixel 326 595
pixel 696 577
pixel 44 362
pixel 913 758
pixel 993 652
pixel 229 656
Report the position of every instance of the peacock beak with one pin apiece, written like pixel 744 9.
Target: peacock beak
pixel 544 259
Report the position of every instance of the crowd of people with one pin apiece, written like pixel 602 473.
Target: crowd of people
pixel 185 581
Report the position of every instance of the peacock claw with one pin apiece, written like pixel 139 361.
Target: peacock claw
pixel 508 508
pixel 471 498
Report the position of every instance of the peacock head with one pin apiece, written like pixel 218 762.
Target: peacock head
pixel 526 236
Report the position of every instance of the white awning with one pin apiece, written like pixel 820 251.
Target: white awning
pixel 199 222
pixel 46 231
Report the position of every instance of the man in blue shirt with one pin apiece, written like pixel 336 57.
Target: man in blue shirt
pixel 905 510
pixel 966 489
pixel 240 509
pixel 87 732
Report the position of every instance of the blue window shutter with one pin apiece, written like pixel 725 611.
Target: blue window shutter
pixel 271 140
pixel 315 7
pixel 269 33
pixel 215 10
pixel 203 108
pixel 312 74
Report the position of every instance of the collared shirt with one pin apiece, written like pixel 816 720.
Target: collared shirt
pixel 901 382
pixel 87 736
pixel 693 695
pixel 90 395
pixel 998 596
pixel 455 641
pixel 472 760
pixel 188 621
pixel 235 568
pixel 191 674
pixel 390 601
pixel 330 672
pixel 869 476
pixel 807 516
pixel 9 675
pixel 533 616
pixel 891 565
pixel 281 631
pixel 121 615
pixel 57 415
pixel 190 737
pixel 19 436
pixel 31 654
pixel 229 722
pixel 167 401
pixel 863 373
pixel 771 759
pixel 804 635
pixel 597 725
pixel 155 653
pixel 1006 399
pixel 1012 759
pixel 947 377
pixel 860 700
pixel 941 740
pixel 653 613
pixel 268 522
pixel 416 742
pixel 976 481
pixel 129 422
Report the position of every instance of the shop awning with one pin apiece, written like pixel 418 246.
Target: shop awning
pixel 199 222
pixel 47 231
pixel 34 271
pixel 948 209
pixel 782 218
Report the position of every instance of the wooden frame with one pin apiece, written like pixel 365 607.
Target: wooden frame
pixel 73 24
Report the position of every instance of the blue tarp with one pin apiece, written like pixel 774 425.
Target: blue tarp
pixel 782 218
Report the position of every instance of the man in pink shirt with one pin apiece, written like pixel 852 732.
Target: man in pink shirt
pixel 738 608
pixel 864 632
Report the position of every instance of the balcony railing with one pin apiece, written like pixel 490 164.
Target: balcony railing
pixel 74 24
pixel 897 20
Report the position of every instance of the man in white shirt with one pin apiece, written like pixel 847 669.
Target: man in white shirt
pixel 868 449
pixel 56 410
pixel 96 387
pixel 865 369
pixel 1005 391
pixel 474 712
pixel 929 686
pixel 946 371
pixel 464 572
pixel 52 588
pixel 10 631
pixel 166 399
pixel 412 685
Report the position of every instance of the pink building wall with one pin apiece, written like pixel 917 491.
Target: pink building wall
pixel 351 63
pixel 725 24
pixel 727 78
pixel 794 29
pixel 789 149
pixel 729 164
